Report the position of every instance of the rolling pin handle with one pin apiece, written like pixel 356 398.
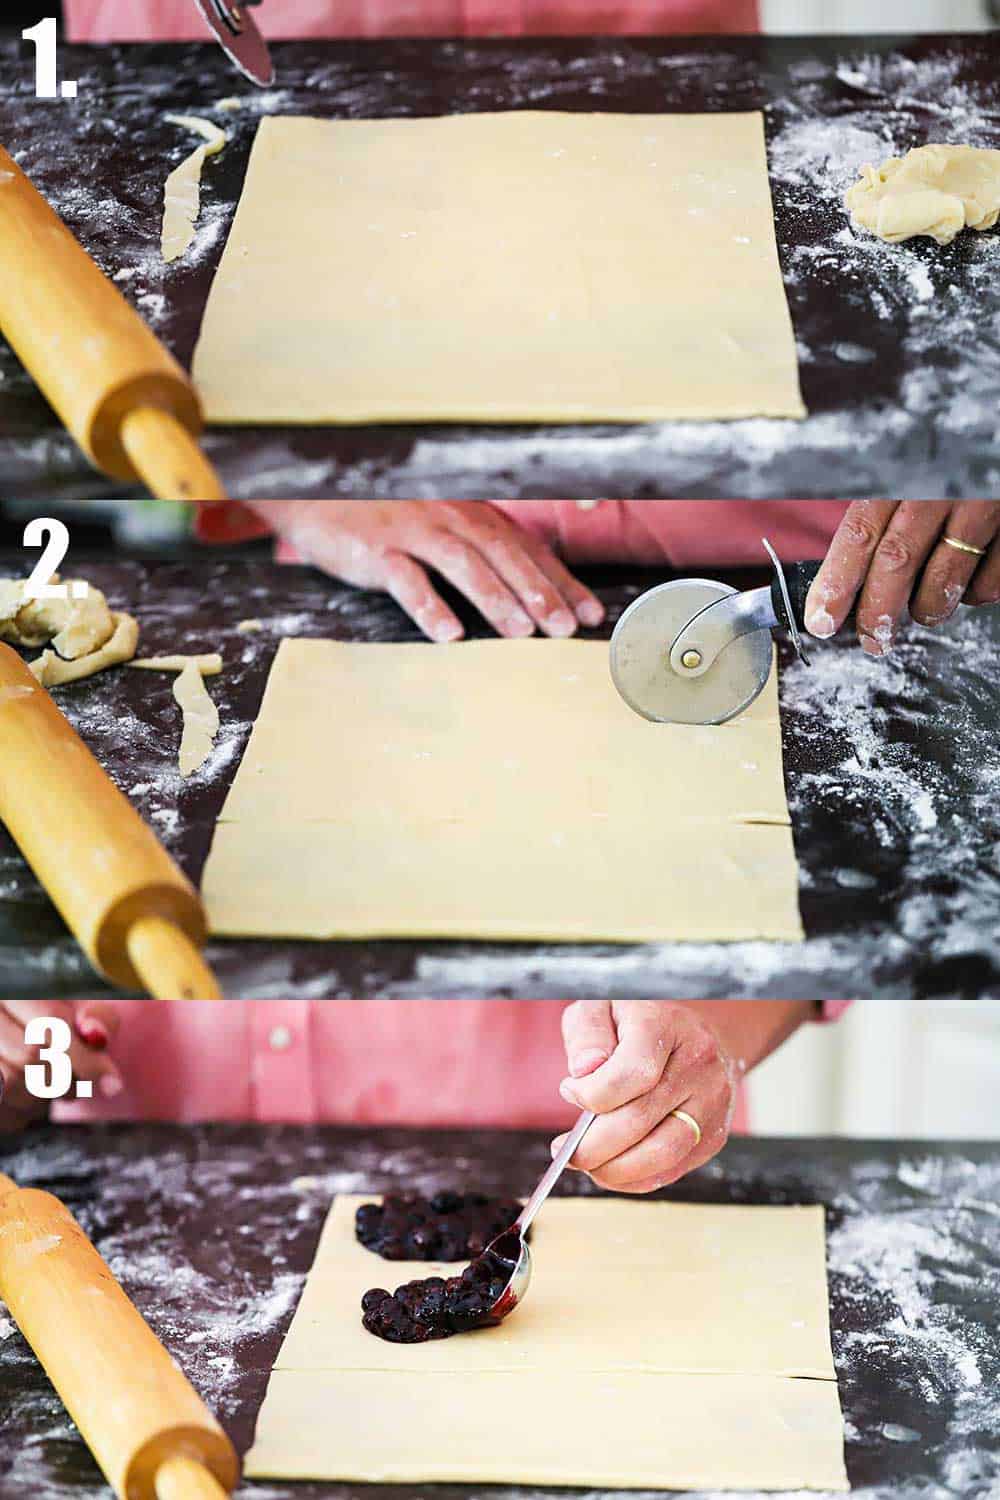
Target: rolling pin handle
pixel 168 963
pixel 167 457
pixel 184 1479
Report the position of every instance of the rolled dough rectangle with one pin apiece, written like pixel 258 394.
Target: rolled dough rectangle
pixel 602 1432
pixel 705 1309
pixel 496 789
pixel 653 1351
pixel 522 266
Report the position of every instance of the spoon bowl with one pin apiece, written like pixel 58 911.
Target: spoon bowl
pixel 510 1253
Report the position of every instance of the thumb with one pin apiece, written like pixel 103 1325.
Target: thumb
pixel 589 1035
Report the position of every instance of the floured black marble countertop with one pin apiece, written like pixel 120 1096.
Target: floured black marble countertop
pixel 211 1231
pixel 892 770
pixel 899 346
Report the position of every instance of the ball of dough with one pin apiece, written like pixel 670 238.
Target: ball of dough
pixel 935 191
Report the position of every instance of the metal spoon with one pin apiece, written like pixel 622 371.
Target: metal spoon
pixel 511 1248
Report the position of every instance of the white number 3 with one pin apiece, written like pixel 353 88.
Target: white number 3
pixel 52 1078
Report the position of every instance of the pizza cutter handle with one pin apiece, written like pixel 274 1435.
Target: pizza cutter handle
pixel 798 579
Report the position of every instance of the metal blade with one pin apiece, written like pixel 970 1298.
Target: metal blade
pixel 640 658
pixel 236 30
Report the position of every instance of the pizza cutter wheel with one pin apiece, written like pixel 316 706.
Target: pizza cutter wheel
pixel 695 651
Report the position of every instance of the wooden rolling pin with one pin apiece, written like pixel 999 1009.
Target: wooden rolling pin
pixel 145 1424
pixel 124 398
pixel 138 919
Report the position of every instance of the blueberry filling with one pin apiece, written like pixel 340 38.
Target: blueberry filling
pixel 437 1307
pixel 448 1226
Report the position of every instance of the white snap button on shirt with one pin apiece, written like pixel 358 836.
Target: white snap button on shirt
pixel 280 1039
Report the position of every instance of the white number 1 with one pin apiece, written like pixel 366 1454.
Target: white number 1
pixel 44 38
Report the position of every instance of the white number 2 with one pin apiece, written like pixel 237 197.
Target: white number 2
pixel 40 585
pixel 52 1078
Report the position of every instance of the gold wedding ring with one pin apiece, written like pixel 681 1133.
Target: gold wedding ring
pixel 951 541
pixel 682 1114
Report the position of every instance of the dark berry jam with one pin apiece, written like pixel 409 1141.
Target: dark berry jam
pixel 438 1307
pixel 448 1226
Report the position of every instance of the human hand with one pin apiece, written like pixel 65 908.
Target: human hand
pixel 636 1062
pixel 879 550
pixel 515 581
pixel 18 1108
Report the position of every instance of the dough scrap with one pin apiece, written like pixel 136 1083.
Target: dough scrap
pixel 86 635
pixel 208 665
pixel 936 191
pixel 74 627
pixel 663 1341
pixel 182 190
pixel 201 719
pixel 497 789
pixel 52 671
pixel 529 265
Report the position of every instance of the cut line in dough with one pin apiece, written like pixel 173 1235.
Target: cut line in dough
pixel 660 1347
pixel 497 789
pixel 182 190
pixel 201 719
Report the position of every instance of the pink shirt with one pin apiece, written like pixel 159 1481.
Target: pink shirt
pixel 469 1063
pixel 682 533
pixel 649 533
pixel 461 1063
pixel 178 20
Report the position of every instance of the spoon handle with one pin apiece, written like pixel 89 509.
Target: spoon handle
pixel 554 1171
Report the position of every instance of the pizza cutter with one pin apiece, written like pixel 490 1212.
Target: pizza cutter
pixel 239 35
pixel 694 651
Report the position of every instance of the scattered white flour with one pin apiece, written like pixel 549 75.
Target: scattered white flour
pixel 936 431
pixel 202 1246
pixel 913 1279
pixel 940 428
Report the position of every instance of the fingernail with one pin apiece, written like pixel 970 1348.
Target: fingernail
pixel 440 630
pixel 110 1086
pixel 569 1094
pixel 590 612
pixel 557 1145
pixel 873 647
pixel 561 623
pixel 94 1034
pixel 520 624
pixel 585 1062
pixel 820 622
